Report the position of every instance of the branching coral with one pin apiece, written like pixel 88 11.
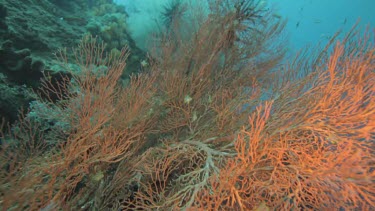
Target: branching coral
pixel 195 132
pixel 173 12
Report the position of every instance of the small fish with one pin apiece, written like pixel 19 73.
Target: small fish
pixel 317 21
pixel 325 36
pixel 297 24
pixel 300 10
pixel 275 15
pixel 345 20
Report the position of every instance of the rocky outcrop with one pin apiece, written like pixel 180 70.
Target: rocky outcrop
pixel 31 31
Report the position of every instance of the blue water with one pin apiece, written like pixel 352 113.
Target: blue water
pixel 313 21
pixel 309 21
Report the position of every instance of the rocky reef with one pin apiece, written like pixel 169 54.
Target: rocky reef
pixel 31 31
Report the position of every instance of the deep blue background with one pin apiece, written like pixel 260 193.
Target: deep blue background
pixel 309 21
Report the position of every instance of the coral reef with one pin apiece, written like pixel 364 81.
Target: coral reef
pixel 31 32
pixel 3 14
pixel 19 67
pixel 214 123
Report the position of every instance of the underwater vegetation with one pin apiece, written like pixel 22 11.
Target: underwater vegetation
pixel 214 121
pixel 172 12
pixel 31 31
